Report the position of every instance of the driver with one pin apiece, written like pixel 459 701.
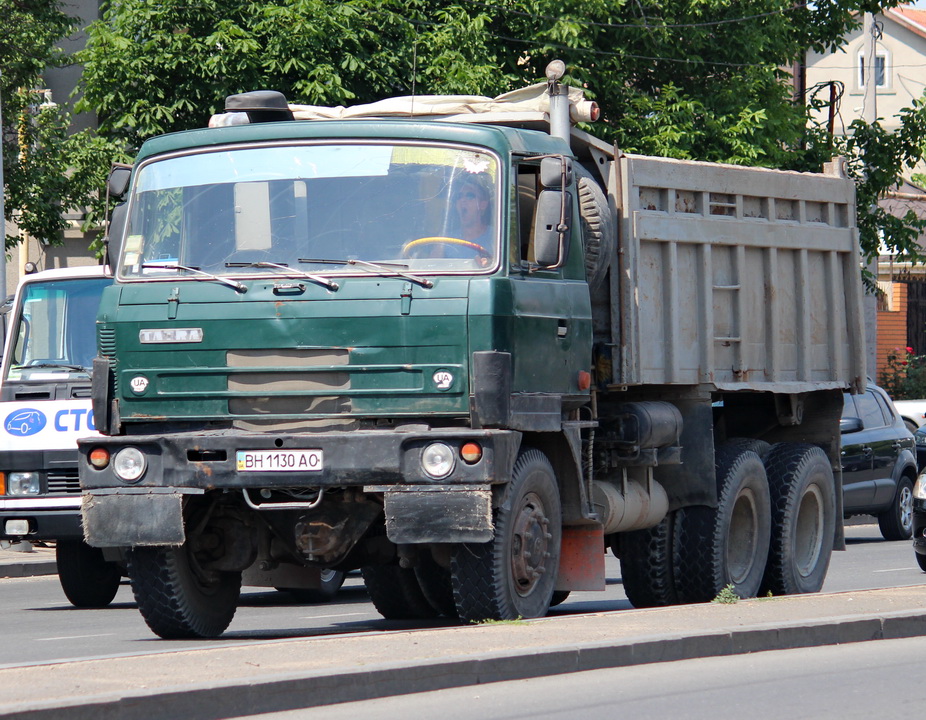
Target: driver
pixel 470 234
pixel 472 205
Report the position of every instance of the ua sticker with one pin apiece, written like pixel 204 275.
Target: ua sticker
pixel 139 384
pixel 443 379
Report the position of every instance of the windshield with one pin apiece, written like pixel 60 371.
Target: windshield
pixel 423 208
pixel 56 329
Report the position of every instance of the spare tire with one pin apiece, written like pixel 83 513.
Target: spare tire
pixel 599 230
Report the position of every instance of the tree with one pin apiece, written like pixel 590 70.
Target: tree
pixel 46 171
pixel 698 79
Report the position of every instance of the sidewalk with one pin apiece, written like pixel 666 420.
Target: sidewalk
pixel 233 681
pixel 25 563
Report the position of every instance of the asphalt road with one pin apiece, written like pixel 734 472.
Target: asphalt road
pixel 861 680
pixel 39 626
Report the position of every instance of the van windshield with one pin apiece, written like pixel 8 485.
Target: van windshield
pixel 250 210
pixel 55 329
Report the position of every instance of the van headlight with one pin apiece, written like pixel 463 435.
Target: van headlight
pixel 919 487
pixel 23 483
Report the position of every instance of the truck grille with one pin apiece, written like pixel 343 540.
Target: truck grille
pixel 107 341
pixel 63 482
pixel 292 381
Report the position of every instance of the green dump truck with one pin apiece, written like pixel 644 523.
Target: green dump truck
pixel 466 347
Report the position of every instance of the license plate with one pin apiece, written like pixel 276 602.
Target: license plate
pixel 279 460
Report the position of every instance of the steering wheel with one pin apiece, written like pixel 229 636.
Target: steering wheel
pixel 409 247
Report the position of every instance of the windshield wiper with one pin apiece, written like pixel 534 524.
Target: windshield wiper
pixel 295 272
pixel 49 364
pixel 385 269
pixel 240 287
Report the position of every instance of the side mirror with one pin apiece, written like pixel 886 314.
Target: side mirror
pixel 116 230
pixel 850 425
pixel 556 172
pixel 118 181
pixel 552 223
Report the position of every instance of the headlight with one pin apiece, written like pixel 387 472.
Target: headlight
pixel 437 460
pixel 919 488
pixel 129 464
pixel 23 483
pixel 920 436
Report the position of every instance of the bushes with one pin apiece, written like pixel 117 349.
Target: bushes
pixel 904 378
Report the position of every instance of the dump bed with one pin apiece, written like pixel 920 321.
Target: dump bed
pixel 734 278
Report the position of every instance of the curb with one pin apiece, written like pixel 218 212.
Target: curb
pixel 28 569
pixel 213 701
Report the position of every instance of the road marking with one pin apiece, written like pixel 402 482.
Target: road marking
pixel 325 617
pixel 74 637
pixel 903 569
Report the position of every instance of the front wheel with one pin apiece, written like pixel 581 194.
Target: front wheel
pixel 88 580
pixel 178 598
pixel 921 561
pixel 396 593
pixel 514 575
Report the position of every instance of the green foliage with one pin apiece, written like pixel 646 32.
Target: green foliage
pixel 698 79
pixel 727 596
pixel 904 377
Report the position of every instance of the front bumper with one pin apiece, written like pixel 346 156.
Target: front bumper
pixel 417 508
pixel 919 526
pixel 48 519
pixel 208 460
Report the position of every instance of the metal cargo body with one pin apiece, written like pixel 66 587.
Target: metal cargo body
pixel 735 278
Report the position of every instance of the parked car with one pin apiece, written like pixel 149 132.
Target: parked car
pixel 919 521
pixel 879 463
pixel 913 413
pixel 919 437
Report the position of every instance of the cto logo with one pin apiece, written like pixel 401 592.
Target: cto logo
pixel 25 422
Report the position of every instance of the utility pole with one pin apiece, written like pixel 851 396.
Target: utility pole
pixel 870 104
pixel 2 210
pixel 870 115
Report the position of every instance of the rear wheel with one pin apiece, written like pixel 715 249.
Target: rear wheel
pixel 896 523
pixel 921 561
pixel 177 597
pixel 396 593
pixel 88 580
pixel 803 519
pixel 646 565
pixel 514 574
pixel 330 582
pixel 727 545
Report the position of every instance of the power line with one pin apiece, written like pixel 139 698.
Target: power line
pixel 636 26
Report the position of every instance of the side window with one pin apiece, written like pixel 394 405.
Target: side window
pixel 848 406
pixel 870 411
pixel 885 410
pixel 528 187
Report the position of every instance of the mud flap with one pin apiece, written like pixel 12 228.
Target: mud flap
pixel 446 516
pixel 581 562
pixel 130 520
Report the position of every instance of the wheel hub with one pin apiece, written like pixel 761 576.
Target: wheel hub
pixel 530 545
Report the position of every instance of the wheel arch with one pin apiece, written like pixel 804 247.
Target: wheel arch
pixel 564 451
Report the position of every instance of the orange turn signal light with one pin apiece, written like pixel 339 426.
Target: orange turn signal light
pixel 584 380
pixel 471 453
pixel 99 457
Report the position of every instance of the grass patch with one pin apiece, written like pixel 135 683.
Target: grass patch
pixel 727 596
